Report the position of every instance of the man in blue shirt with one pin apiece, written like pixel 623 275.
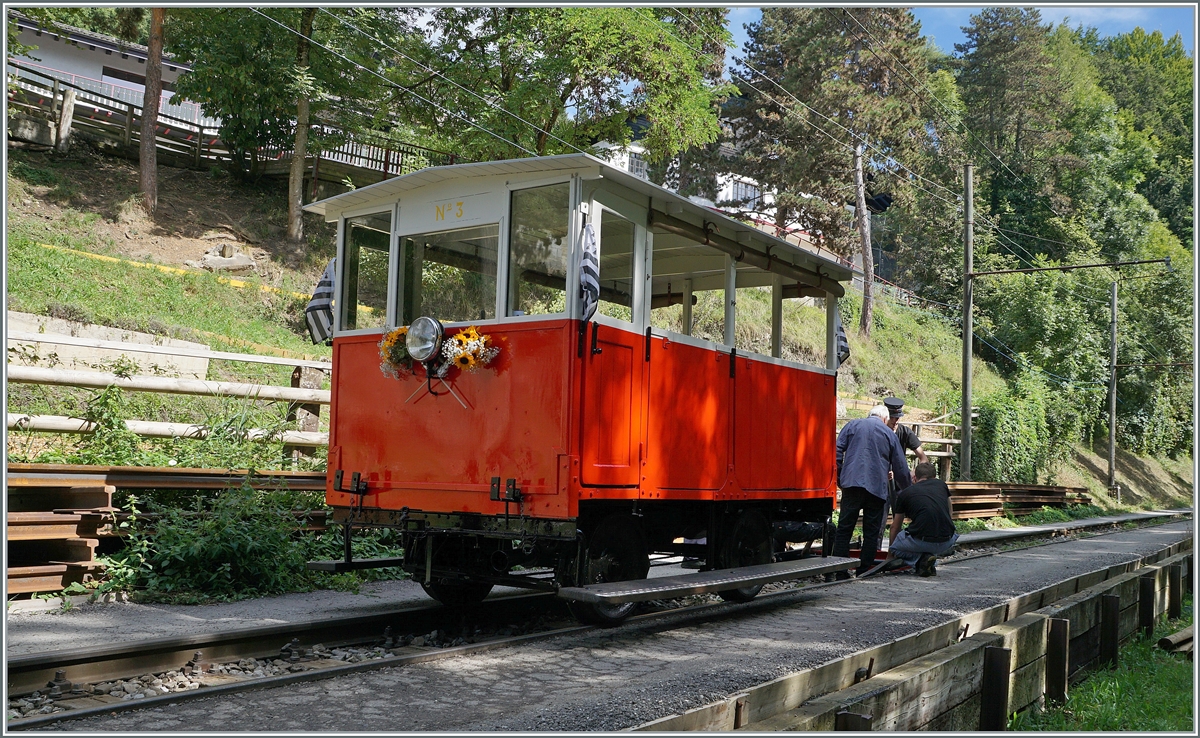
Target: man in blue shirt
pixel 866 451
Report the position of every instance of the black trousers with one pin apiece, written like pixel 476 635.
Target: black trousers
pixel 854 501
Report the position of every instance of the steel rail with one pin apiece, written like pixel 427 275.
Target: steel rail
pixel 32 672
pixel 424 616
pixel 160 477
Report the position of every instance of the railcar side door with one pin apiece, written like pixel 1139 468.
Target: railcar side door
pixel 613 360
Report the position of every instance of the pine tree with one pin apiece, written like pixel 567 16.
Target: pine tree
pixel 850 77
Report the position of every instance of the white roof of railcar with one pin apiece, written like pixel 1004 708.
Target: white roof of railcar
pixel 389 190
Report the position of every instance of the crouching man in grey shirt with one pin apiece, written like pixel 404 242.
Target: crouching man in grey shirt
pixel 931 533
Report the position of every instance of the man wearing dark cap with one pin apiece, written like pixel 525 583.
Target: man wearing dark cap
pixel 908 437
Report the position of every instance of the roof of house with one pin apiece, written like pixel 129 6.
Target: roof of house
pixel 389 190
pixel 94 40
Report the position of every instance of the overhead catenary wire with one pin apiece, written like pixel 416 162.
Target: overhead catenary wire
pixel 965 127
pixel 427 68
pixel 394 84
pixel 852 134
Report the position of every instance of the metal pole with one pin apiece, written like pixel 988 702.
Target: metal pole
pixel 687 307
pixel 730 300
pixel 1112 393
pixel 831 307
pixel 776 316
pixel 964 461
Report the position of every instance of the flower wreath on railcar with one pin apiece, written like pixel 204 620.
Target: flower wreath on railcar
pixel 393 352
pixel 467 350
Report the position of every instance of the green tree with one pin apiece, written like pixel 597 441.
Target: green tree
pixel 1152 79
pixel 1014 101
pixel 255 70
pixel 923 228
pixel 555 75
pixel 846 66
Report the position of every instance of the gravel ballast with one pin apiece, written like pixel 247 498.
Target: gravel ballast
pixel 621 677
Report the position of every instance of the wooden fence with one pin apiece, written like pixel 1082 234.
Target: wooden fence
pixel 180 142
pixel 365 158
pixel 304 402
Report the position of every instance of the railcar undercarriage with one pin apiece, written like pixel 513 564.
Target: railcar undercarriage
pixel 459 557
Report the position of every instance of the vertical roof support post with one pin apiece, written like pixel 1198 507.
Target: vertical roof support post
pixel 776 316
pixel 831 362
pixel 576 223
pixel 687 307
pixel 730 299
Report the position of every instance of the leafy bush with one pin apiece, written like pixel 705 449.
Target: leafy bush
pixel 235 544
pixel 238 543
pixel 1022 431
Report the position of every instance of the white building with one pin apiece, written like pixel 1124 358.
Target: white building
pixel 98 63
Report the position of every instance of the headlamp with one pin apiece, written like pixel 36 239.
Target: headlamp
pixel 424 338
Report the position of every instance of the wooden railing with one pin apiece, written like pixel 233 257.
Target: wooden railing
pixel 308 401
pixel 183 142
pixel 366 151
pixel 190 144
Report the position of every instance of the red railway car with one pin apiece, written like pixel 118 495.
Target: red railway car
pixel 530 432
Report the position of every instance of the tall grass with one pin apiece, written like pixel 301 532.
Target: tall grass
pixel 1149 690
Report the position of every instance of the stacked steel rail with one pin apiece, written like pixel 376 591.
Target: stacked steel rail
pixel 58 513
pixel 990 499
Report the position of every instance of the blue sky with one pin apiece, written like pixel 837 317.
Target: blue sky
pixel 944 23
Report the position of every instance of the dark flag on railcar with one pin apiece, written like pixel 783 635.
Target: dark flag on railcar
pixel 843 346
pixel 589 272
pixel 319 312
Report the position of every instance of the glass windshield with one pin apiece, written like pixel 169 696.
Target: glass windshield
pixel 448 275
pixel 365 271
pixel 538 244
pixel 616 266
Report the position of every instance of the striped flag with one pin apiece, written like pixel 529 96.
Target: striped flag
pixel 589 272
pixel 319 312
pixel 843 346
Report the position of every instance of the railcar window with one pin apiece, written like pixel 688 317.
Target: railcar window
pixel 680 263
pixel 616 266
pixel 365 272
pixel 449 275
pixel 537 280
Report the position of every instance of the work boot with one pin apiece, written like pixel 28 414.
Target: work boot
pixel 927 566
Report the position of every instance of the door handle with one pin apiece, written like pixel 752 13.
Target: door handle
pixel 595 333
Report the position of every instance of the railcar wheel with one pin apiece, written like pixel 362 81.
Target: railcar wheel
pixel 748 544
pixel 456 594
pixel 616 552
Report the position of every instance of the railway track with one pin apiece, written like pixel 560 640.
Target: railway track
pixel 220 663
